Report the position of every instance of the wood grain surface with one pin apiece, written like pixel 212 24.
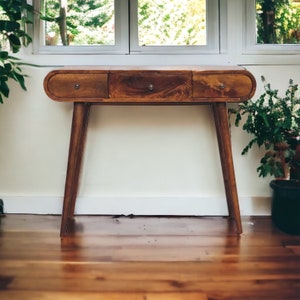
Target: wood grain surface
pixel 147 258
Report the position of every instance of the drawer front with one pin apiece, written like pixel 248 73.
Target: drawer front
pixel 76 87
pixel 239 86
pixel 149 85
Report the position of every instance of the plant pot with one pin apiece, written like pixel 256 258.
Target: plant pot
pixel 286 205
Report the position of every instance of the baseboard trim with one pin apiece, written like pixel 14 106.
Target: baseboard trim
pixel 138 205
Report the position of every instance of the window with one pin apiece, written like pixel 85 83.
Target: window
pixel 273 26
pixel 278 22
pixel 170 22
pixel 127 26
pixel 80 26
pixel 174 25
pixel 78 22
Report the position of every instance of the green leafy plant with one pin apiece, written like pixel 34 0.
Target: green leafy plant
pixel 274 124
pixel 15 15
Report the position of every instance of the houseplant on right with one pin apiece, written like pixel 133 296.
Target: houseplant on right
pixel 274 123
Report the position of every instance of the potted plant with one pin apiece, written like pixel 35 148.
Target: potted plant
pixel 14 17
pixel 274 124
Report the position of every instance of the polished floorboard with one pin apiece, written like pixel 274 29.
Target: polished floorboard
pixel 147 258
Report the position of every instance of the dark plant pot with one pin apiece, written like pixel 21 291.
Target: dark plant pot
pixel 286 205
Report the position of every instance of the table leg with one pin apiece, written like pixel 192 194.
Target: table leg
pixel 224 141
pixel 77 141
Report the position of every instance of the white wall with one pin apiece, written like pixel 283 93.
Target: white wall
pixel 141 160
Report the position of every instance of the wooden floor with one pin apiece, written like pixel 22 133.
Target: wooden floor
pixel 153 258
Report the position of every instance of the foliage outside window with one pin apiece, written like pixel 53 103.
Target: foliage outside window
pixel 278 21
pixel 78 22
pixel 92 22
pixel 172 22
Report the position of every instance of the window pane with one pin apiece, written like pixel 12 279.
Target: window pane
pixel 278 22
pixel 171 22
pixel 79 22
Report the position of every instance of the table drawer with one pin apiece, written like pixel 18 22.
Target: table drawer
pixel 77 87
pixel 239 86
pixel 150 85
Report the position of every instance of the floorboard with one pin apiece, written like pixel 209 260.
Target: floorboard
pixel 147 258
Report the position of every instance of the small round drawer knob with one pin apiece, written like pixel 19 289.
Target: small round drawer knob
pixel 222 86
pixel 76 86
pixel 150 87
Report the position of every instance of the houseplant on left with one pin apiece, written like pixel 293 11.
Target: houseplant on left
pixel 273 121
pixel 15 15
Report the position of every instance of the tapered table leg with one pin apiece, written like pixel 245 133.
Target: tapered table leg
pixel 224 141
pixel 77 141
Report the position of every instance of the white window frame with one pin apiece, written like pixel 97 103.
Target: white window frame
pixel 126 36
pixel 212 34
pixel 121 35
pixel 250 44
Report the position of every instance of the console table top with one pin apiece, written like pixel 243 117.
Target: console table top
pixel 150 84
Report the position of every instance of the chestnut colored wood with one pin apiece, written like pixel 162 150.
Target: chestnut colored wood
pixel 215 86
pixel 77 86
pixel 17 295
pixel 78 134
pixel 166 85
pixel 130 85
pixel 130 258
pixel 223 135
pixel 220 85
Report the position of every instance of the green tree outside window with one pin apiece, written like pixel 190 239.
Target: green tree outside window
pixel 91 22
pixel 278 21
pixel 78 22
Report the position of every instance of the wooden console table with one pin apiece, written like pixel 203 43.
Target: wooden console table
pixel 189 85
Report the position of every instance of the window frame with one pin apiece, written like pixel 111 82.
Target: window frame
pixel 121 33
pixel 250 44
pixel 126 38
pixel 213 32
